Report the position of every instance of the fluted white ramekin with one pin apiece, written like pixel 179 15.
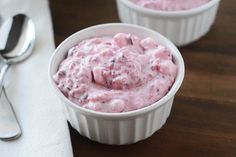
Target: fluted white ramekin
pixel 116 128
pixel 181 27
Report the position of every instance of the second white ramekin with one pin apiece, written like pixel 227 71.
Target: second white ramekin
pixel 181 27
pixel 117 128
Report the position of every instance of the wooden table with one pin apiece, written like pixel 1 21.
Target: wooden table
pixel 203 118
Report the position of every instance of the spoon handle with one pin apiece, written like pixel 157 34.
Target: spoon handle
pixel 3 72
pixel 9 127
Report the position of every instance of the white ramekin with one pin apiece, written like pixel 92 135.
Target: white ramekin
pixel 116 128
pixel 181 27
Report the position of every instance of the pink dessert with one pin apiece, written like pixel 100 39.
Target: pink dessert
pixel 116 74
pixel 170 5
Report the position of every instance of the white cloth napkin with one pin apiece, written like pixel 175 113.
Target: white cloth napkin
pixel 44 127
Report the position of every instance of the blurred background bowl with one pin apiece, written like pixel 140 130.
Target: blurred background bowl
pixel 181 27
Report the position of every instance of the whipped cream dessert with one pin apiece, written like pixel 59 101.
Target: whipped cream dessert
pixel 170 5
pixel 116 74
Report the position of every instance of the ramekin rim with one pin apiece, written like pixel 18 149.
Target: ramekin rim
pixel 171 93
pixel 171 13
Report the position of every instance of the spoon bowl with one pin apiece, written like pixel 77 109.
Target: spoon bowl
pixel 21 49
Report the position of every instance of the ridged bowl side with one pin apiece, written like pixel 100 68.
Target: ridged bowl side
pixel 119 131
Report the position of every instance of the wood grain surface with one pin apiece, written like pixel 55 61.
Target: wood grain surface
pixel 203 118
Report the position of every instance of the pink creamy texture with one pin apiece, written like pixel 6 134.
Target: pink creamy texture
pixel 116 74
pixel 170 5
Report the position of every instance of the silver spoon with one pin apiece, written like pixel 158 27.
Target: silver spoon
pixel 17 53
